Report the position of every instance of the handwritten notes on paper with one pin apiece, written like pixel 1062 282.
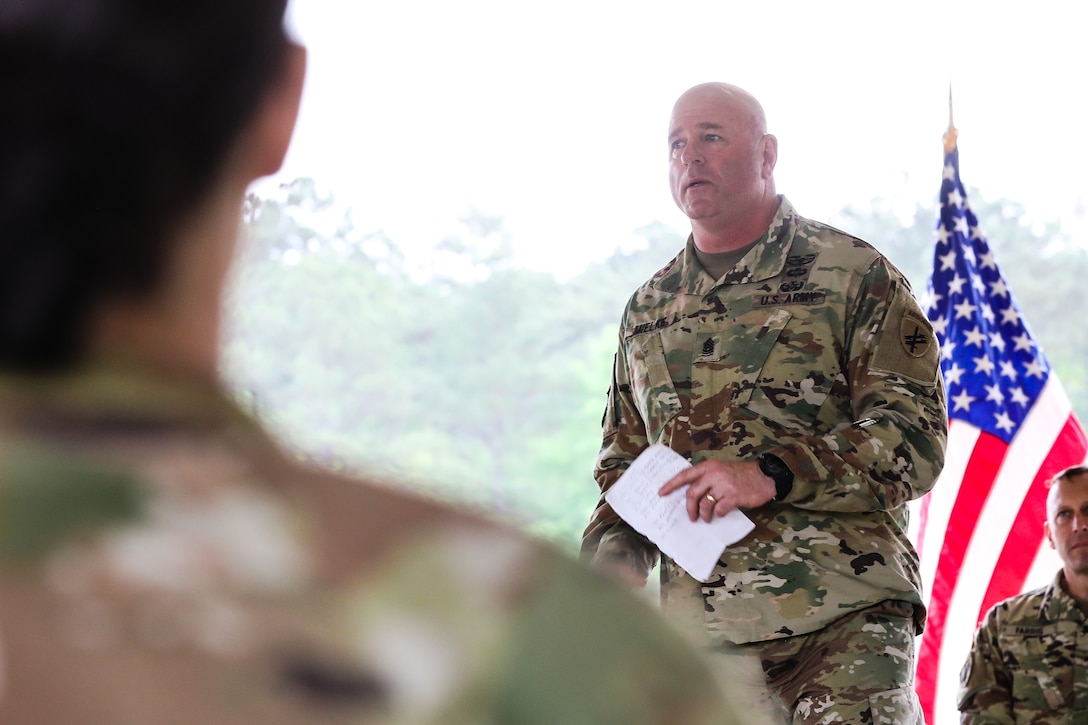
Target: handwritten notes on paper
pixel 694 545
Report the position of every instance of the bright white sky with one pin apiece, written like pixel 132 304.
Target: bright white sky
pixel 553 114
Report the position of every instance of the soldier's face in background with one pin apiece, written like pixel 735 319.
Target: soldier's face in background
pixel 1067 522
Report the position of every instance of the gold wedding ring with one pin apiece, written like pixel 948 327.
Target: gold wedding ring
pixel 711 498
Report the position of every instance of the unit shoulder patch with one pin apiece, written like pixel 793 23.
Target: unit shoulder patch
pixel 915 335
pixel 908 346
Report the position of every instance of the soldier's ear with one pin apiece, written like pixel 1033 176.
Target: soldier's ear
pixel 770 154
pixel 1049 537
pixel 274 123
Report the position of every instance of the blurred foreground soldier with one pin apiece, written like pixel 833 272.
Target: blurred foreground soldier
pixel 1029 661
pixel 160 560
pixel 790 363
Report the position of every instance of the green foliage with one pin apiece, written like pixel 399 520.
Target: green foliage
pixel 483 384
pixel 475 381
pixel 907 243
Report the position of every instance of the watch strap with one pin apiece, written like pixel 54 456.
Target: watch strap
pixel 776 469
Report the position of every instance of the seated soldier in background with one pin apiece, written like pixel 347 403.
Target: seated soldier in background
pixel 1029 660
pixel 161 561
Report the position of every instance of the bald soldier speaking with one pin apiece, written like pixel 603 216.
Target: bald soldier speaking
pixel 792 365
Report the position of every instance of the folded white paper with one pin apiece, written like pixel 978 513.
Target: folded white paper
pixel 694 545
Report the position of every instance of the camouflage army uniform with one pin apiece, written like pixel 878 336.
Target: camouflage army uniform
pixel 162 562
pixel 1029 662
pixel 811 348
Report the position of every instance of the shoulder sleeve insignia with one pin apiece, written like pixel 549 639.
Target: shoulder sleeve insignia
pixel 914 352
pixel 915 335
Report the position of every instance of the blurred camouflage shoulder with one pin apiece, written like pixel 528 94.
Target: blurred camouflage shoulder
pixel 153 538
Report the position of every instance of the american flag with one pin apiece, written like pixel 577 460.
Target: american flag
pixel 1011 428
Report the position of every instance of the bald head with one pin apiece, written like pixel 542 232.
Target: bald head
pixel 741 105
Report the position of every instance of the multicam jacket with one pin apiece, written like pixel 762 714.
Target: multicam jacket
pixel 812 348
pixel 1029 662
pixel 162 562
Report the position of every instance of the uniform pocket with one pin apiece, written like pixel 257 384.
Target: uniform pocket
pixel 798 371
pixel 651 385
pixel 728 362
pixel 896 707
pixel 1044 679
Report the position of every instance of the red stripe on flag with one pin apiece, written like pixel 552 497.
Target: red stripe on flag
pixel 985 462
pixel 1026 535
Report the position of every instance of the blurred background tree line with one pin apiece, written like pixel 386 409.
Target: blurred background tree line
pixel 482 383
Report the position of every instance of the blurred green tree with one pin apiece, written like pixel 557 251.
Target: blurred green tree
pixel 482 383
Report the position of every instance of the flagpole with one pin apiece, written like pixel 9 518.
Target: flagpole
pixel 949 137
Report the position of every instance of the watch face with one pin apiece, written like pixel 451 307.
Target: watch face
pixel 776 468
pixel 772 465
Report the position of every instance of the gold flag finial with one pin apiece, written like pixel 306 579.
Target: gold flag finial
pixel 950 135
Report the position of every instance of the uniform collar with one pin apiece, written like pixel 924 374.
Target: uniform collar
pixel 1057 604
pixel 763 261
pixel 117 392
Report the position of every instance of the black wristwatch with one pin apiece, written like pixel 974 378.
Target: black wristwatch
pixel 775 468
